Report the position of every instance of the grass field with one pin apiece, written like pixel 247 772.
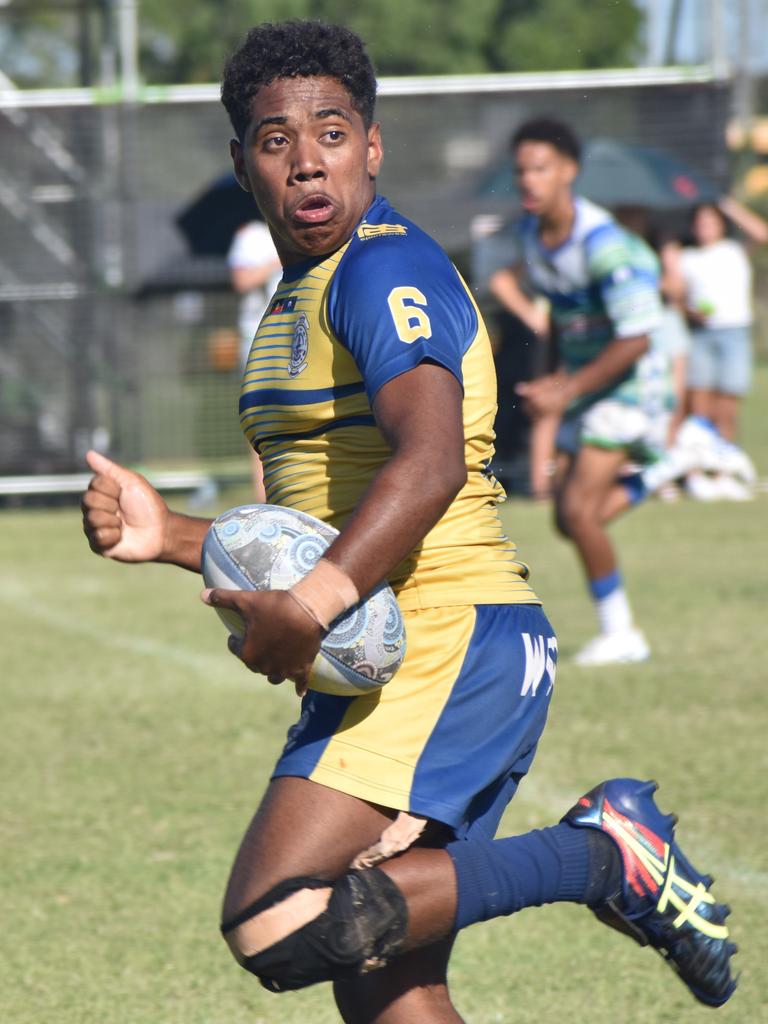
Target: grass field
pixel 135 749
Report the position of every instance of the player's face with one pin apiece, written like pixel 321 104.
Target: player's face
pixel 310 163
pixel 544 176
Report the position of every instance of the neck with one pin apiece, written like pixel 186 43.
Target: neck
pixel 556 223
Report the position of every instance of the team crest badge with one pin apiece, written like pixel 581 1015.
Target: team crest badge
pixel 299 346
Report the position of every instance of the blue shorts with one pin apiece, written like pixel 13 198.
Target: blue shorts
pixel 455 730
pixel 720 359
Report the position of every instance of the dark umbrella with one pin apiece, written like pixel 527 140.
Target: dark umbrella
pixel 210 221
pixel 620 173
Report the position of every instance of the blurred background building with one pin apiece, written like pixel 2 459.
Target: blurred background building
pixel 118 325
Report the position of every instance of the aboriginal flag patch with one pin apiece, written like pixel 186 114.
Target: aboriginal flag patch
pixel 284 305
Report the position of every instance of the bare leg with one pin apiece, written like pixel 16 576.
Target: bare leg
pixel 542 453
pixel 725 414
pixel 303 828
pixel 616 502
pixel 411 989
pixel 701 403
pixel 580 503
pixel 678 369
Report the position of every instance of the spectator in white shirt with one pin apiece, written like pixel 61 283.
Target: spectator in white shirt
pixel 713 282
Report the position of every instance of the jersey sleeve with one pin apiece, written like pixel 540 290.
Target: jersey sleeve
pixel 625 270
pixel 397 301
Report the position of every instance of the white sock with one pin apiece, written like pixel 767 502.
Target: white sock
pixel 613 612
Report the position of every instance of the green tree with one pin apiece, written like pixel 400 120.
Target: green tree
pixel 191 43
pixel 43 45
pixel 434 37
pixel 548 35
pixel 404 37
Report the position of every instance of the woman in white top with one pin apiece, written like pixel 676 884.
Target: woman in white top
pixel 714 285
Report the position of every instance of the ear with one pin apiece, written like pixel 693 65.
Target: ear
pixel 238 162
pixel 572 171
pixel 375 150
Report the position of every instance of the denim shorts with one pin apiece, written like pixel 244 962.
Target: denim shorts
pixel 720 359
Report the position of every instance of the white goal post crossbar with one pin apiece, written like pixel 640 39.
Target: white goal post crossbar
pixel 427 85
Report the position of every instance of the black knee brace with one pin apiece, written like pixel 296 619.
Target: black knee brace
pixel 363 925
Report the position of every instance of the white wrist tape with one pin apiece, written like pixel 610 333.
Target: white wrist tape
pixel 325 592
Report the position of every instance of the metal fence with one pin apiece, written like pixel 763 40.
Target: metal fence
pixel 112 332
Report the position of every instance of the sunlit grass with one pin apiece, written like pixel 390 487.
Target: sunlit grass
pixel 135 749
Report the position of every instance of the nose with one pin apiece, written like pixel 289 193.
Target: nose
pixel 308 162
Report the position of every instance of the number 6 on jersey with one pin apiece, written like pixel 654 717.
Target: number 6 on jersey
pixel 411 322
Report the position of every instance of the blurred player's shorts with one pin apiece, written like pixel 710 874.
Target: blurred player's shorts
pixel 612 425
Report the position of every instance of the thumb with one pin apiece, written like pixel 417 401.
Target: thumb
pixel 106 467
pixel 219 598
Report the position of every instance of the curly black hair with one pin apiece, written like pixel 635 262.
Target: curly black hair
pixel 547 129
pixel 297 49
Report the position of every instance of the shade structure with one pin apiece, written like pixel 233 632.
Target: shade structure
pixel 615 173
pixel 211 219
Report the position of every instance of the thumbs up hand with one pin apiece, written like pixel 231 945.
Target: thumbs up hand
pixel 124 517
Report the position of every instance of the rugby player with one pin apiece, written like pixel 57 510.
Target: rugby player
pixel 369 393
pixel 602 284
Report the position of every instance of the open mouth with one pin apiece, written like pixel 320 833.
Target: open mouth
pixel 315 209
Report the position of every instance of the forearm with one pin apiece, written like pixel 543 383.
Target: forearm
pixel 404 501
pixel 611 365
pixel 504 287
pixel 751 223
pixel 183 541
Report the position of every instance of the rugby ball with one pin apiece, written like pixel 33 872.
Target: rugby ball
pixel 267 547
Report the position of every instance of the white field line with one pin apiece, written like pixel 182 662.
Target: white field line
pixel 212 669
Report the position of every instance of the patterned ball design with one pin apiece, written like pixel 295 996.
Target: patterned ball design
pixel 267 547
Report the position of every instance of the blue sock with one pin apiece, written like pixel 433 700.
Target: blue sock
pixel 496 877
pixel 605 585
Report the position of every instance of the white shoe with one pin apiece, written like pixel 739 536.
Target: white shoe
pixel 731 489
pixel 696 447
pixel 698 441
pixel 676 462
pixel 735 462
pixel 629 645
pixel 702 487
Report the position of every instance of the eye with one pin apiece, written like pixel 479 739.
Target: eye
pixel 275 141
pixel 334 135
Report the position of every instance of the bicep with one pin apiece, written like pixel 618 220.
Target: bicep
pixel 422 409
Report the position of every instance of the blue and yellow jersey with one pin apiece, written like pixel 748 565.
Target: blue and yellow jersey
pixel 337 330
